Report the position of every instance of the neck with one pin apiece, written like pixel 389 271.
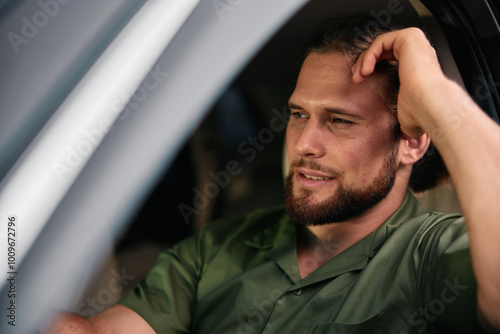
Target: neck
pixel 316 245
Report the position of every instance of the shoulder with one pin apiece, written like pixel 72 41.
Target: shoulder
pixel 441 253
pixel 445 278
pixel 242 227
pixel 439 230
pixel 228 232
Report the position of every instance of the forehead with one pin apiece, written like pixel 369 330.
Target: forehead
pixel 326 80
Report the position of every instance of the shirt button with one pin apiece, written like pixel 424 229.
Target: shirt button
pixel 297 292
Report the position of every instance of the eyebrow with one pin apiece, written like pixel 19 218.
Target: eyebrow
pixel 336 111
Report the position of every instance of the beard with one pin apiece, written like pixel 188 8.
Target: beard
pixel 345 203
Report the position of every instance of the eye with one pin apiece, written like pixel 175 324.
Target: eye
pixel 338 120
pixel 298 114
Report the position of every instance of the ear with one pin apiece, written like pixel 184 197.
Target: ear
pixel 412 149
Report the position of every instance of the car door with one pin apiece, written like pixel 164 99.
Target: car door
pixel 68 195
pixel 473 33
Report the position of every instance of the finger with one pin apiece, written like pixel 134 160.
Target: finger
pixel 356 73
pixel 364 66
pixel 381 49
pixel 368 65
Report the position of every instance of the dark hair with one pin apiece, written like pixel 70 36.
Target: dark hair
pixel 351 36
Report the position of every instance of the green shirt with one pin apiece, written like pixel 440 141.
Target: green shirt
pixel 411 275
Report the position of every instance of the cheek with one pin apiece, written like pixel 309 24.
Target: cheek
pixel 363 159
pixel 290 139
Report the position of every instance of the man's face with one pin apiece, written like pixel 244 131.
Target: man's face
pixel 340 143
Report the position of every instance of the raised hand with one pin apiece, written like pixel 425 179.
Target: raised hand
pixel 419 73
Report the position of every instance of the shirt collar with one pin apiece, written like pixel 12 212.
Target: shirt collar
pixel 279 240
pixel 408 210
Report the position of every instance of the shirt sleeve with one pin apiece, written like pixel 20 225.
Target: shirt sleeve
pixel 165 298
pixel 446 279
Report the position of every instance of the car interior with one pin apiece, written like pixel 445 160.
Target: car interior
pixel 234 159
pixel 247 125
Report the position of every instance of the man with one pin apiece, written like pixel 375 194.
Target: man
pixel 354 252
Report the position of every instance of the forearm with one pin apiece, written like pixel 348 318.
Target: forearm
pixel 70 323
pixel 469 142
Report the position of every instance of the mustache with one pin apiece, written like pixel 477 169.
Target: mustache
pixel 313 165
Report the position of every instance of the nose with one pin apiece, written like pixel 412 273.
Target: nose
pixel 310 140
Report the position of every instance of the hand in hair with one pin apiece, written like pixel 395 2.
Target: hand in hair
pixel 419 72
pixel 467 139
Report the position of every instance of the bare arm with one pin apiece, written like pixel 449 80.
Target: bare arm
pixel 468 140
pixel 116 319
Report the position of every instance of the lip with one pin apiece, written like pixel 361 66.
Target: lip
pixel 314 173
pixel 310 183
